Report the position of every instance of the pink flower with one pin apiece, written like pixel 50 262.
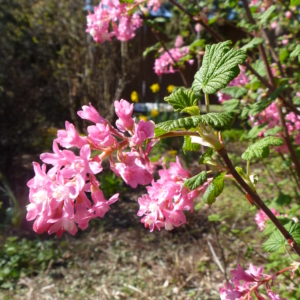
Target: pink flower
pixel 124 111
pixel 133 169
pixel 143 131
pixel 229 293
pixel 155 4
pixel 91 114
pixel 274 24
pixel 167 198
pixel 178 42
pixel 198 27
pixel 69 138
pixel 274 296
pixel 101 137
pixel 165 63
pixel 288 14
pixel 115 15
pixel 261 218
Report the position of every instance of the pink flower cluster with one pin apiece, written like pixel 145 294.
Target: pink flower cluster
pixel 241 81
pixel 261 218
pixel 270 117
pixel 59 198
pixel 165 63
pixel 112 18
pixel 244 283
pixel 154 4
pixel 167 198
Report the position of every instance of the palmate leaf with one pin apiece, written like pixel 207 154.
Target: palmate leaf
pixel 208 153
pixel 230 105
pixel 220 66
pixel 182 99
pixel 218 121
pixel 196 181
pixel 261 149
pixel 215 189
pixel 276 239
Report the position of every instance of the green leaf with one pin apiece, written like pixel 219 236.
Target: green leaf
pixel 218 121
pixel 283 54
pixel 158 132
pixel 273 131
pixel 189 146
pixel 235 91
pixel 182 99
pixel 261 149
pixel 276 239
pixel 208 153
pixel 270 226
pixel 196 44
pixel 214 218
pixel 252 44
pixel 282 199
pixel 296 51
pixel 214 189
pixel 295 2
pixel 259 67
pixel 255 108
pixel 219 67
pixel 253 133
pixel 196 181
pixel 230 105
pixel 192 110
pixel 265 16
pixel 152 48
pixel 296 100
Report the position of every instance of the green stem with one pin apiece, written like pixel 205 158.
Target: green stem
pixel 207 103
pixel 248 168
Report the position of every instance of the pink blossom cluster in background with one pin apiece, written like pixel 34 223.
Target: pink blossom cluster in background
pixel 112 19
pixel 59 194
pixel 167 198
pixel 261 218
pixel 244 283
pixel 241 80
pixel 154 4
pixel 165 63
pixel 270 117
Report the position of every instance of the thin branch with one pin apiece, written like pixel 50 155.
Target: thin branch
pixel 257 200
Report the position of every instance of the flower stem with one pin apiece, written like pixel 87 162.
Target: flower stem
pixel 207 103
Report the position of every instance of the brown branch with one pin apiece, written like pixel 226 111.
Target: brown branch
pixel 257 200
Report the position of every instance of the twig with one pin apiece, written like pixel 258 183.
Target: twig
pixel 257 200
pixel 222 252
pixel 215 257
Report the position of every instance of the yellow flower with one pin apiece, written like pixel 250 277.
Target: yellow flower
pixel 170 88
pixel 155 88
pixel 172 152
pixel 134 97
pixel 154 113
pixel 143 118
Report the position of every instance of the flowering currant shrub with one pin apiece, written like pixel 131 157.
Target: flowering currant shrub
pixel 65 193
